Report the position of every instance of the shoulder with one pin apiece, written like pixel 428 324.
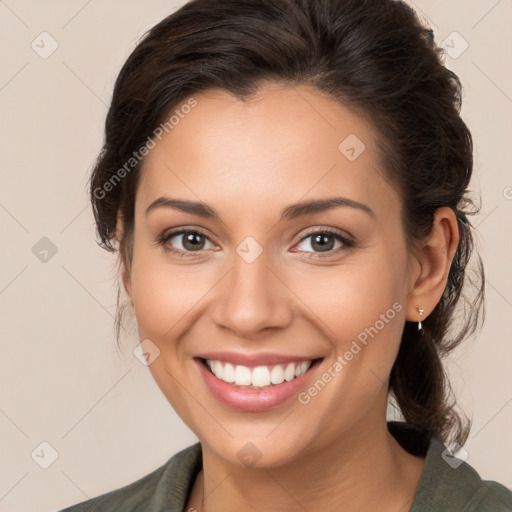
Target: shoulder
pixel 166 487
pixel 477 495
pixel 495 498
pixel 466 488
pixel 452 485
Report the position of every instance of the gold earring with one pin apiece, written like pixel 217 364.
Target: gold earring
pixel 420 311
pixel 130 303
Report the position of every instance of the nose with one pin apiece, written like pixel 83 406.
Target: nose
pixel 253 298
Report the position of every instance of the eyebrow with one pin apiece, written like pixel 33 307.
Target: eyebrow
pixel 290 212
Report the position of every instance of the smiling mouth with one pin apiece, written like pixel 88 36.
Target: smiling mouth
pixel 258 377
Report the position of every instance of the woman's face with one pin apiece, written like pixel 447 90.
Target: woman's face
pixel 260 277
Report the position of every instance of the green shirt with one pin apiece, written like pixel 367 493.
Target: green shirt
pixel 446 484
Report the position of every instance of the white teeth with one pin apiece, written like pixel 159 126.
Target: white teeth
pixel 217 368
pixel 289 373
pixel 301 368
pixel 277 374
pixel 259 376
pixel 229 373
pixel 242 376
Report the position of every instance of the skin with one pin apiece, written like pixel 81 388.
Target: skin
pixel 248 160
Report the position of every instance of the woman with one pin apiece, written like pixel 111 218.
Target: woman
pixel 286 183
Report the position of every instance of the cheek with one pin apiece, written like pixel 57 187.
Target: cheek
pixel 351 298
pixel 167 301
pixel 166 295
pixel 361 309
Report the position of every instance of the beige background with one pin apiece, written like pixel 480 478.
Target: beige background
pixel 62 381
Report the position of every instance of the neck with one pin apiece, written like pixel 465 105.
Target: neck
pixel 364 469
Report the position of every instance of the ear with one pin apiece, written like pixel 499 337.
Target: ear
pixel 432 265
pixel 125 273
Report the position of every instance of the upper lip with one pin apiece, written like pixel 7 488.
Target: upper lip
pixel 259 359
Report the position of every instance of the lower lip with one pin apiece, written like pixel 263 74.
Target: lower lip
pixel 252 399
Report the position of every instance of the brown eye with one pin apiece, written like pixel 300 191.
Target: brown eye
pixel 185 241
pixel 192 241
pixel 325 242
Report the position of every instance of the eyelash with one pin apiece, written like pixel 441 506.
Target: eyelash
pixel 164 238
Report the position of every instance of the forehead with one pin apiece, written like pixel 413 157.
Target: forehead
pixel 282 145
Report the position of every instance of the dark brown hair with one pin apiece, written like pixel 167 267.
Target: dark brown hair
pixel 371 55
